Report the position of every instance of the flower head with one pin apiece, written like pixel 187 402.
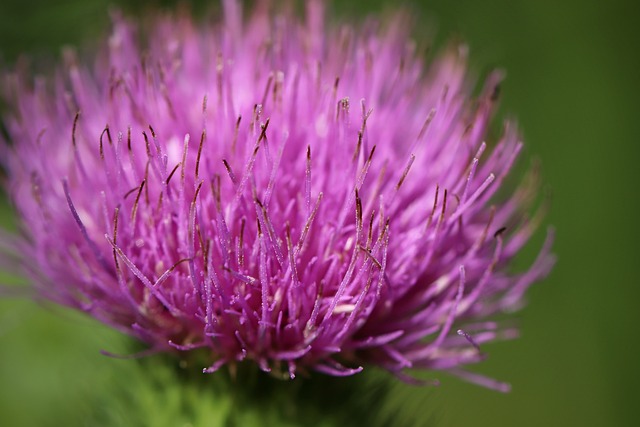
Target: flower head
pixel 306 198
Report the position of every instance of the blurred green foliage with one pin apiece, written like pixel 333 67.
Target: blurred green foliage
pixel 573 85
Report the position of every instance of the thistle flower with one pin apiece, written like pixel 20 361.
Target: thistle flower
pixel 305 198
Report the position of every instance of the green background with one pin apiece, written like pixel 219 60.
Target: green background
pixel 573 80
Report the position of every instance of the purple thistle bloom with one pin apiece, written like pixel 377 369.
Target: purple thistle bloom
pixel 271 190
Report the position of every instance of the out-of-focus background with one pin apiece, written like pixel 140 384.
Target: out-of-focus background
pixel 573 72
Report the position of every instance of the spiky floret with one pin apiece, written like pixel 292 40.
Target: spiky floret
pixel 271 190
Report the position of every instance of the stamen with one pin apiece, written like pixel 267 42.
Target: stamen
pixel 266 89
pixel 227 166
pixel 356 153
pixel 175 168
pixel 241 244
pixel 433 209
pixel 469 338
pixel 185 149
pixel 202 138
pixel 427 122
pixel 129 139
pixel 263 133
pixel 215 191
pixel 307 225
pixel 105 131
pixel 134 210
pixel 405 172
pixel 307 183
pixel 145 281
pixel 235 135
pixel 73 130
pixel 358 211
pixel 166 274
pixel 370 233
